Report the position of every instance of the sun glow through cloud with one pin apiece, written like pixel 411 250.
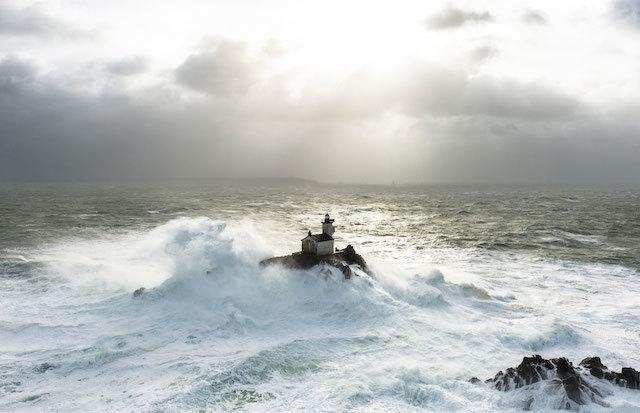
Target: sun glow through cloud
pixel 303 72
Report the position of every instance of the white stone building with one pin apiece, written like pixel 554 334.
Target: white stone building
pixel 320 244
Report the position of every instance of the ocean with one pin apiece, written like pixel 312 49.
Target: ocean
pixel 466 281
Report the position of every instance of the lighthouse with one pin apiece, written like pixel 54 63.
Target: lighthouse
pixel 320 244
pixel 327 225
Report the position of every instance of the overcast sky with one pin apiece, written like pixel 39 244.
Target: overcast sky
pixel 357 91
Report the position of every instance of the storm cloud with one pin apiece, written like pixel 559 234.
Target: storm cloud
pixel 15 71
pixel 128 66
pixel 32 21
pixel 484 111
pixel 222 68
pixel 628 11
pixel 448 92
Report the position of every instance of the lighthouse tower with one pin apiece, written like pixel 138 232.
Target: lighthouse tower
pixel 327 225
pixel 320 244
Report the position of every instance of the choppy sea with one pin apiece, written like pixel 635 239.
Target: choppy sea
pixel 467 281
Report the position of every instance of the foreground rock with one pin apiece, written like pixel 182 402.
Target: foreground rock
pixel 341 260
pixel 579 385
pixel 139 291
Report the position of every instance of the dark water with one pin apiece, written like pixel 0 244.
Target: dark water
pixel 593 225
pixel 467 281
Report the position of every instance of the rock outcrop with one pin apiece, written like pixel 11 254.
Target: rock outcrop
pixel 139 291
pixel 628 377
pixel 342 260
pixel 579 385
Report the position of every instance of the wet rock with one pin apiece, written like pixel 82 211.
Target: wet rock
pixel 341 259
pixel 346 270
pixel 631 377
pixel 44 367
pixel 628 377
pixel 577 383
pixel 595 366
pixel 352 257
pixel 531 370
pixel 139 291
pixel 571 382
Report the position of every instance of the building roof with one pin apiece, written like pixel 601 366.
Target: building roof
pixel 320 237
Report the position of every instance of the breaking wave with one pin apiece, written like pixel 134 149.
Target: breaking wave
pixel 214 330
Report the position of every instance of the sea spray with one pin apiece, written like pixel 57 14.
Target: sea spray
pixel 214 331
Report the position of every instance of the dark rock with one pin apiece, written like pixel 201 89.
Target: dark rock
pixel 352 257
pixel 570 380
pixel 138 292
pixel 628 377
pixel 346 270
pixel 576 384
pixel 531 370
pixel 593 362
pixel 595 366
pixel 44 367
pixel 631 377
pixel 341 259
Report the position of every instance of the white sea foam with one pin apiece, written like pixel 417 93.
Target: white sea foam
pixel 215 331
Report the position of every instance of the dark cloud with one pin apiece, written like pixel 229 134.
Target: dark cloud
pixel 222 68
pixel 452 17
pixel 457 129
pixel 14 71
pixel 128 67
pixel 627 10
pixel 32 21
pixel 452 93
pixel 533 17
pixel 51 134
pixel 471 150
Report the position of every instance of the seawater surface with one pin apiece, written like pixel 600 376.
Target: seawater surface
pixel 468 280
